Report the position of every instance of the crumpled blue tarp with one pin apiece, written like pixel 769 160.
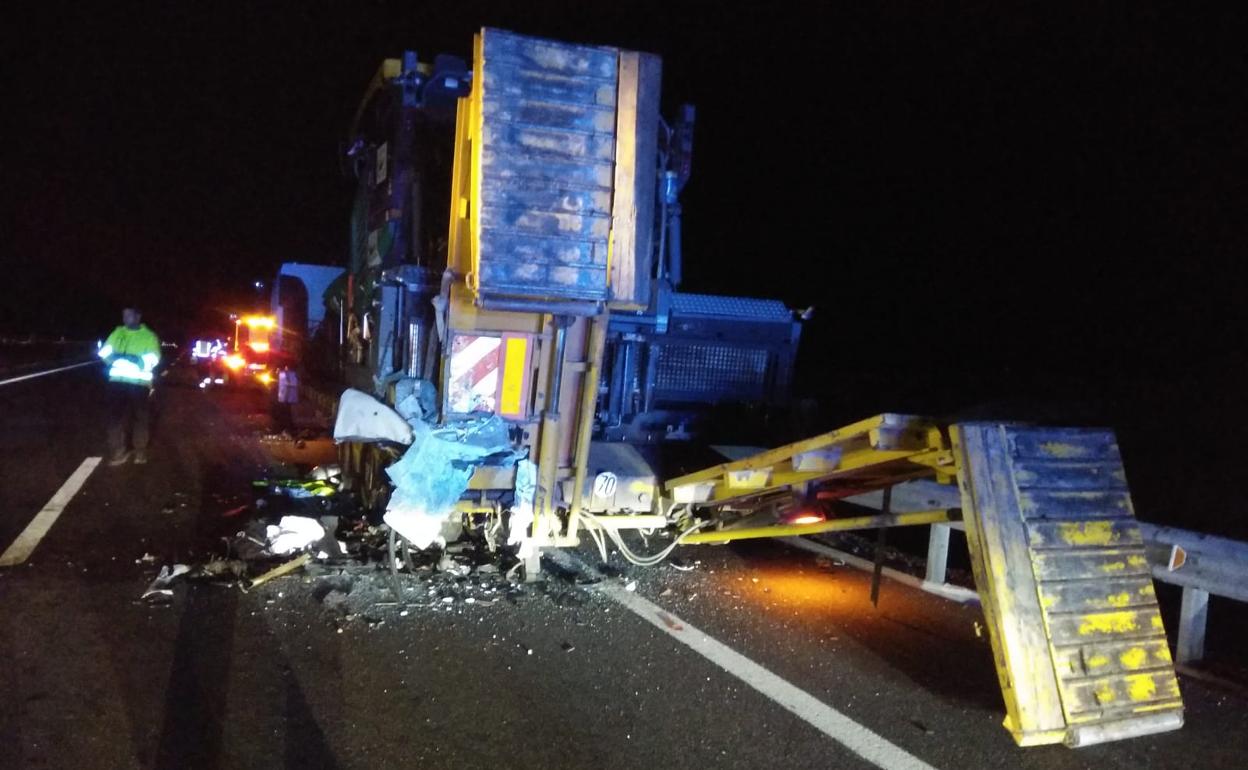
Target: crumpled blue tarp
pixel 434 471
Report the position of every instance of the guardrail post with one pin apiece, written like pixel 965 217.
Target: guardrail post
pixel 1193 615
pixel 937 554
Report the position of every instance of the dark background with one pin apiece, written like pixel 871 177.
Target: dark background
pixel 1024 210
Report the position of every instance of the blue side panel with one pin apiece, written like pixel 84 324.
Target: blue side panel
pixel 547 167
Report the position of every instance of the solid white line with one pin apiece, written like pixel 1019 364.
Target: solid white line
pixel 832 723
pixel 33 375
pixel 25 543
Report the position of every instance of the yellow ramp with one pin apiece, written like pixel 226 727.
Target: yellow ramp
pixel 1060 566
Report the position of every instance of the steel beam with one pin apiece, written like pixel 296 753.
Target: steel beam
pixel 832 525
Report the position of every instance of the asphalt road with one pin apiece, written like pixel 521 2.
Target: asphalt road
pixel 564 674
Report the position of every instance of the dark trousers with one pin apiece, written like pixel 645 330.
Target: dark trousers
pixel 129 411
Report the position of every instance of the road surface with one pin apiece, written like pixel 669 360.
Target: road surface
pixel 326 671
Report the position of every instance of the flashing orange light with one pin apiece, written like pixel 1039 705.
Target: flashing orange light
pixel 260 321
pixel 265 377
pixel 235 362
pixel 259 347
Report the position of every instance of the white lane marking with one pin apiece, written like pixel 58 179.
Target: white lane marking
pixel 25 543
pixel 33 375
pixel 832 723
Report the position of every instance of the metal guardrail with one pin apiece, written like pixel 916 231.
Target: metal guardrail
pixel 1202 565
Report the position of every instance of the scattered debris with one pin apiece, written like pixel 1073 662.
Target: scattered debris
pixel 282 569
pixel 630 585
pixel 293 533
pixel 334 600
pixel 161 587
pixel 221 567
pixel 434 471
pixel 568 646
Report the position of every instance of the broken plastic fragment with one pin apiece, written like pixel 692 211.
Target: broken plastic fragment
pixel 363 418
pixel 161 586
pixel 293 533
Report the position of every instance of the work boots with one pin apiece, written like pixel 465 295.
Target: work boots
pixel 119 457
pixel 140 457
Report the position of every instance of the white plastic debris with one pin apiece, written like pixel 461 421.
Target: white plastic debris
pixel 522 507
pixel 363 418
pixel 162 585
pixel 293 533
pixel 630 585
pixel 330 472
pixel 416 525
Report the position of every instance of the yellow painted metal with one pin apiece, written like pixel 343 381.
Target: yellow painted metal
pixel 881 451
pixel 458 259
pixel 831 525
pixel 585 414
pixel 780 454
pixel 1059 561
pixel 476 131
pixel 514 359
pixel 1077 637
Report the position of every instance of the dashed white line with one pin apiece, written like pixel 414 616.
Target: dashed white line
pixel 24 545
pixel 832 723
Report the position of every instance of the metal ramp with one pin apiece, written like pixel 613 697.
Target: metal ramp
pixel 1058 558
pixel 1060 566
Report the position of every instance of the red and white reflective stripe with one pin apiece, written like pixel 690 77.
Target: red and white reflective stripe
pixel 474 374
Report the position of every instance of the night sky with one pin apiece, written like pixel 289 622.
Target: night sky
pixel 1026 187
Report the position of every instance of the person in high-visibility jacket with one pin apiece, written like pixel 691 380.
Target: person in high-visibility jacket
pixel 131 353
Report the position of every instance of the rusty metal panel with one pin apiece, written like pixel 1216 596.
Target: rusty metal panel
pixel 1067 504
pixel 1110 594
pixel 1103 533
pixel 1095 564
pixel 1122 695
pixel 547 135
pixel 1065 581
pixel 1117 657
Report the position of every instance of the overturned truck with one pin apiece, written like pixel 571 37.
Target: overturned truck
pixel 513 294
pixel 516 253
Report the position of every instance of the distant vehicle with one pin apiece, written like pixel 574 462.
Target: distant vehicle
pixel 241 360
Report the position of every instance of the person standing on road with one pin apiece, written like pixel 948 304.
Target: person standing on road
pixel 131 352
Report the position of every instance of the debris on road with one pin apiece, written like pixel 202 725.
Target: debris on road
pixel 293 533
pixel 161 587
pixel 432 474
pixel 282 569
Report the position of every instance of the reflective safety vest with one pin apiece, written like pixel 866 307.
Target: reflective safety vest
pixel 131 355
